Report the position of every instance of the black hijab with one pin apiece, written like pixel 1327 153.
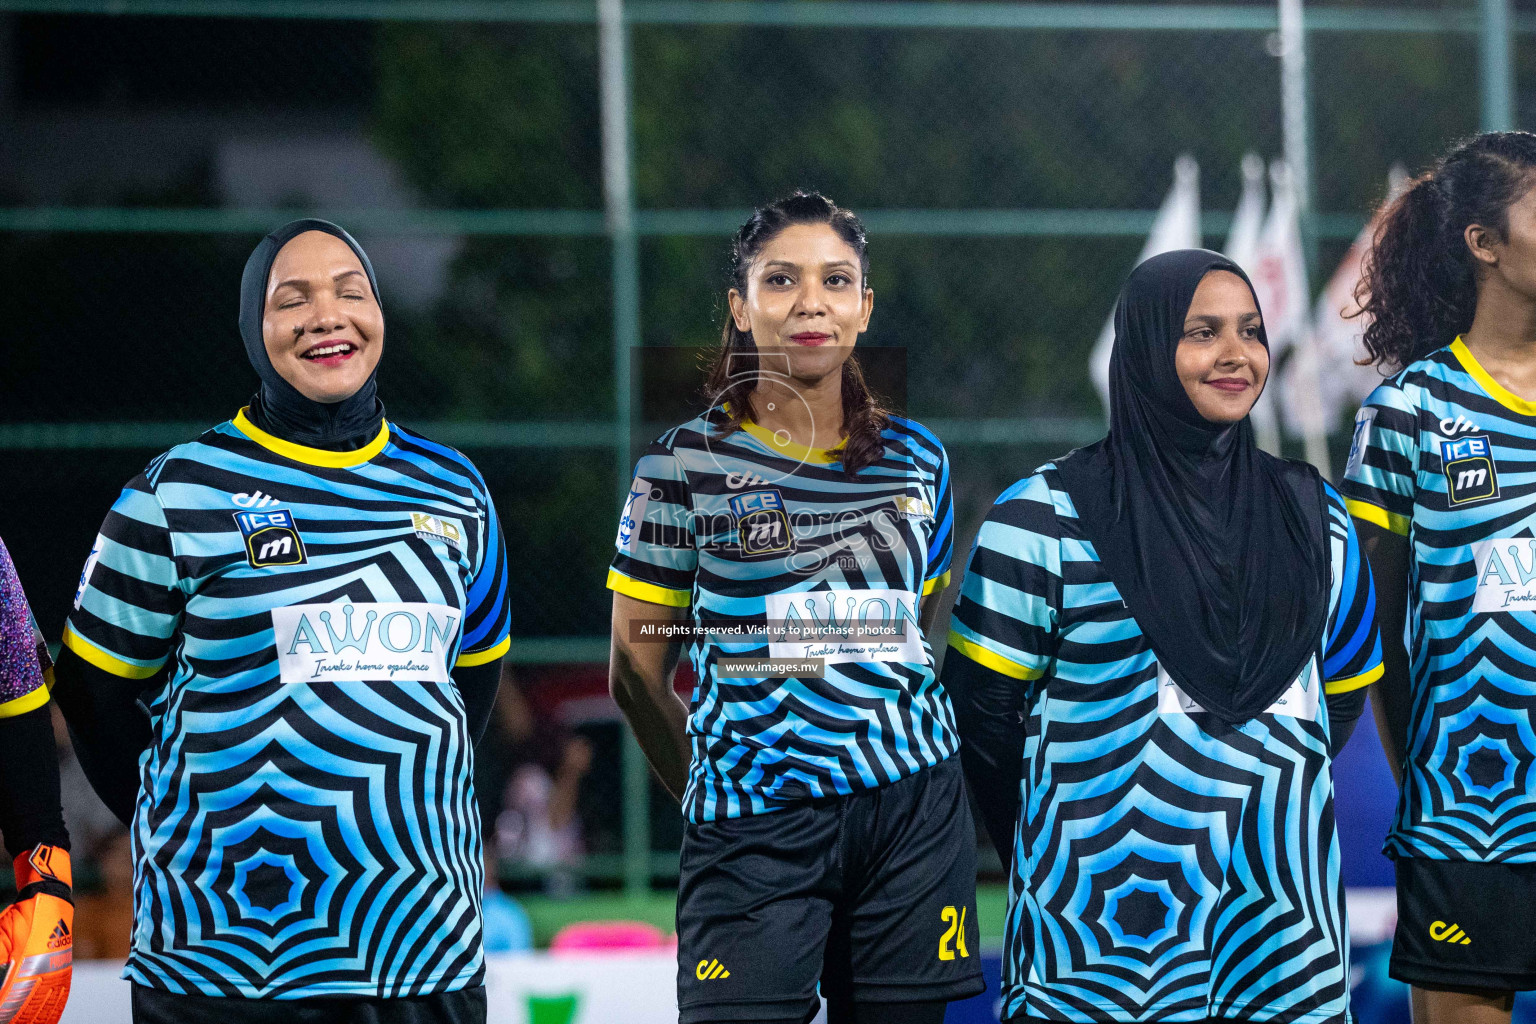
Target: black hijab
pixel 1219 550
pixel 278 407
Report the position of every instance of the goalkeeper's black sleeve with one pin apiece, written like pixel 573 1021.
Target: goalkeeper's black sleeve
pixel 29 783
pixel 989 714
pixel 109 726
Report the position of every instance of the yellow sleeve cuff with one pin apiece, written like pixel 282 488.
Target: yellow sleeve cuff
pixel 1378 515
pixel 1334 686
pixel 641 591
pixel 471 658
pixel 939 582
pixel 21 705
pixel 104 661
pixel 987 659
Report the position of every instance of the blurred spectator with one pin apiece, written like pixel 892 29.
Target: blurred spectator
pixel 528 774
pixel 104 910
pixel 507 928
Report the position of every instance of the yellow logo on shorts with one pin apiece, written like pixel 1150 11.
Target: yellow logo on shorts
pixel 1442 932
pixel 710 970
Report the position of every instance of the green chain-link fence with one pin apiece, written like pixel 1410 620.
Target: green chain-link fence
pixel 1007 158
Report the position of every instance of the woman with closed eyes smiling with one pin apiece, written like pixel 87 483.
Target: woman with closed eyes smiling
pixel 286 642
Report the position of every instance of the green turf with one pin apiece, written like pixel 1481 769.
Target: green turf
pixel 659 908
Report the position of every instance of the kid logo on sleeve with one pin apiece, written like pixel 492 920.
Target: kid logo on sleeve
pixel 428 526
pixel 913 507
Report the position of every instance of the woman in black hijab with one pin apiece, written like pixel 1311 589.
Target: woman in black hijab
pixel 326 398
pixel 286 641
pixel 1138 657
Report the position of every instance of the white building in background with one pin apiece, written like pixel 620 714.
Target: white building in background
pixel 337 172
pixel 101 152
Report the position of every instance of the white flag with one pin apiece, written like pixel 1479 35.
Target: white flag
pixel 1279 274
pixel 1248 218
pixel 1339 336
pixel 1177 227
pixel 1242 248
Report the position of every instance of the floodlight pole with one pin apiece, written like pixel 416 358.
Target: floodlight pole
pixel 1295 123
pixel 1498 68
pixel 619 206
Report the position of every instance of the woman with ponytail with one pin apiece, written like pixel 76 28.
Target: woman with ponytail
pixel 1439 482
pixel 796 535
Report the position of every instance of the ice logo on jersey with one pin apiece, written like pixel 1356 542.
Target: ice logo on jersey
pixel 90 566
pixel 762 528
pixel 271 538
pixel 1506 574
pixel 633 514
pixel 1300 700
pixel 364 641
pixel 887 609
pixel 1470 474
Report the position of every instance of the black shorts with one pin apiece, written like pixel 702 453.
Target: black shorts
pixel 873 895
pixel 152 1006
pixel 1464 925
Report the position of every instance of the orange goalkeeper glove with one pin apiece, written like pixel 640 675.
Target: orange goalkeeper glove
pixel 37 939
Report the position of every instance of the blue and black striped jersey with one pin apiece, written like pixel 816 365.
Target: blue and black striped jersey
pixel 1446 456
pixel 306 823
pixel 1166 866
pixel 744 530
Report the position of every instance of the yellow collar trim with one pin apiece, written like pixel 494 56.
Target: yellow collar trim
pixel 1496 391
pixel 789 449
pixel 312 456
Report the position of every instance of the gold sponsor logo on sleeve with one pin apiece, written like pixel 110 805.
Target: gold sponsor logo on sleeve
pixel 435 526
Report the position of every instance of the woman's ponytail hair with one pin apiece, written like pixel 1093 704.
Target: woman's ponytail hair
pixel 1419 285
pixel 734 373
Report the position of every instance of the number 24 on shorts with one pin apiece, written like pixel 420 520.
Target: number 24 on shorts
pixel 955 918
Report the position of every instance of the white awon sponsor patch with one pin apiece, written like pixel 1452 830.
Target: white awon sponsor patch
pixel 365 641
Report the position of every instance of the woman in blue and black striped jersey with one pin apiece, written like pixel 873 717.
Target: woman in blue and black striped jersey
pixel 1440 483
pixel 1160 640
pixel 286 641
pixel 827 837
